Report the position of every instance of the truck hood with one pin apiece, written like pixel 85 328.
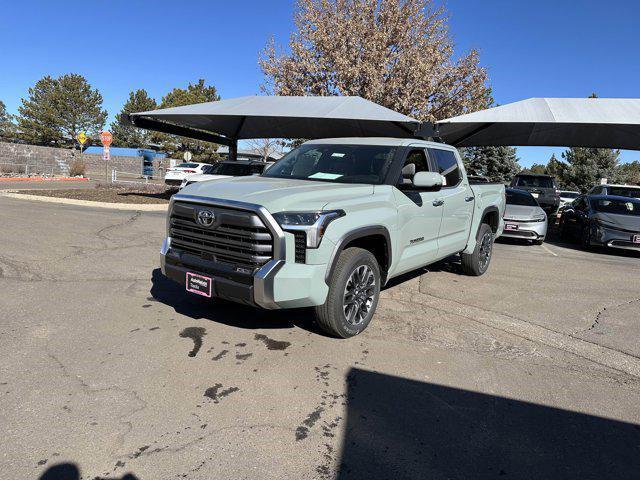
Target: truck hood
pixel 277 194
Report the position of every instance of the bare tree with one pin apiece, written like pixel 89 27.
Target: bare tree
pixel 397 53
pixel 266 147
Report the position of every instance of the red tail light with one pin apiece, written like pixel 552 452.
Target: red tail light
pixel 189 171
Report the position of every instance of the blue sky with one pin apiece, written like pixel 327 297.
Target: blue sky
pixel 545 48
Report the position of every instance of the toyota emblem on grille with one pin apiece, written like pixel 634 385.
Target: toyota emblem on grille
pixel 206 218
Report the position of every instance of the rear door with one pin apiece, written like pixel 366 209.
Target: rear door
pixel 457 198
pixel 419 214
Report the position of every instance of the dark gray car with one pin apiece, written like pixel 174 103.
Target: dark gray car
pixel 605 220
pixel 543 188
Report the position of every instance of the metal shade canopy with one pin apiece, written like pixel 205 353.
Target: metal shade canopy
pixel 227 121
pixel 570 122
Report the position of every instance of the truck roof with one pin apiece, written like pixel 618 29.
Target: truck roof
pixel 390 141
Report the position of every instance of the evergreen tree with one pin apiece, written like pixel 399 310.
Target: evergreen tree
pixel 57 110
pixel 586 166
pixel 536 169
pixel 174 145
pixel 498 164
pixel 629 173
pixel 7 127
pixel 556 168
pixel 126 135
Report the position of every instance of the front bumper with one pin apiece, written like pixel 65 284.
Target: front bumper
pixel 277 284
pixel 526 230
pixel 614 238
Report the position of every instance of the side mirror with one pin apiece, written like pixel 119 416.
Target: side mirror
pixel 428 180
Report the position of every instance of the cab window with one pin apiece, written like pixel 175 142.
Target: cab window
pixel 416 162
pixel 447 166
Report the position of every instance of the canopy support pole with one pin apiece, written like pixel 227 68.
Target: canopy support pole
pixel 233 149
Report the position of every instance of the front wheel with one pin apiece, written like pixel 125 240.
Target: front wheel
pixel 354 289
pixel 477 263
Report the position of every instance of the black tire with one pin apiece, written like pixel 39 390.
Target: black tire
pixel 331 316
pixel 538 242
pixel 585 238
pixel 477 263
pixel 564 234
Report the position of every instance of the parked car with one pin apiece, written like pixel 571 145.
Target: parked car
pixel 523 217
pixel 329 224
pixel 567 197
pixel 603 220
pixel 175 175
pixel 618 190
pixel 543 188
pixel 225 170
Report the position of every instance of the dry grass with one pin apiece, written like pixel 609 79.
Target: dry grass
pixel 77 168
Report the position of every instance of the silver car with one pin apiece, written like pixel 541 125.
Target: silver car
pixel 523 217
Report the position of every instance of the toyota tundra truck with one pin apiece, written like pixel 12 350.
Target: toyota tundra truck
pixel 328 225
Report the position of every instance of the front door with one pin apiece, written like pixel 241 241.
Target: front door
pixel 419 216
pixel 458 202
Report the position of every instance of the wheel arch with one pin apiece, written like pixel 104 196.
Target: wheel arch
pixel 490 216
pixel 374 238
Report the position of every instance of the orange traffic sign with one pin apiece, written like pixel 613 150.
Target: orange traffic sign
pixel 106 138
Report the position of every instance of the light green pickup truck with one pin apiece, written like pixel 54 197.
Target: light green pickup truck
pixel 328 225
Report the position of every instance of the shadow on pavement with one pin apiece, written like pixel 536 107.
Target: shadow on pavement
pixel 70 471
pixel 399 428
pixel 233 314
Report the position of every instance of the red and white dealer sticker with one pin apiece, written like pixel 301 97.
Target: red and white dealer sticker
pixel 199 284
pixel 510 226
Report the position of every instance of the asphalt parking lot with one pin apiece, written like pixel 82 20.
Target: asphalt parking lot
pixel 531 371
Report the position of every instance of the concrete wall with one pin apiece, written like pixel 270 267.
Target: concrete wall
pixel 45 160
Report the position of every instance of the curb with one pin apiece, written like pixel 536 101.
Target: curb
pixel 43 179
pixel 154 207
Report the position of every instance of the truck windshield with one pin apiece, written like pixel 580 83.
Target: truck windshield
pixel 335 163
pixel 533 181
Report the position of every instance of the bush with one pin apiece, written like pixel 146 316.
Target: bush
pixel 11 168
pixel 77 167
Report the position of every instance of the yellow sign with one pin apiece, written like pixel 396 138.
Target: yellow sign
pixel 82 138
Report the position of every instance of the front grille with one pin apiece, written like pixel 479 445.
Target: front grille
pixel 236 237
pixel 301 247
pixel 520 233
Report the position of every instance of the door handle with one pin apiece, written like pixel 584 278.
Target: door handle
pixel 437 203
pixel 468 199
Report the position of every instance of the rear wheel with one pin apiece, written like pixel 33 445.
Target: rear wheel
pixel 477 263
pixel 354 288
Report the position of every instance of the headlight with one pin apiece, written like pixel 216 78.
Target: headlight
pixel 314 224
pixel 539 218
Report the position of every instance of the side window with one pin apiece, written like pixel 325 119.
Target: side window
pixel 416 162
pixel 580 203
pixel 447 166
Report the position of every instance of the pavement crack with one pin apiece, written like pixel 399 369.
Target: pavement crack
pixel 102 232
pixel 601 312
pixel 142 404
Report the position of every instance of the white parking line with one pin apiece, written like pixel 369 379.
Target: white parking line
pixel 549 250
